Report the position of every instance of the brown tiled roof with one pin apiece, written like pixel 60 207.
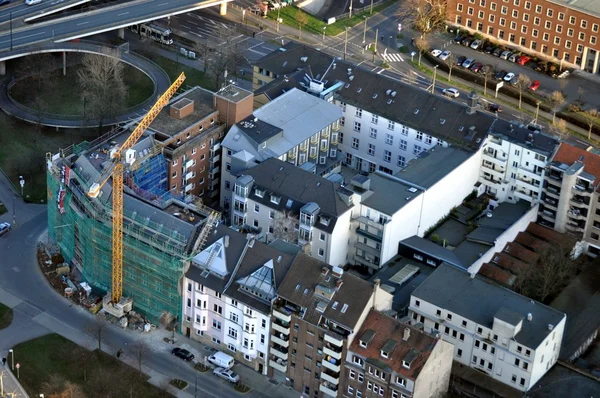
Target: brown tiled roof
pixel 520 252
pixel 569 154
pixel 532 242
pixel 510 263
pixel 550 235
pixel 496 274
pixel 387 328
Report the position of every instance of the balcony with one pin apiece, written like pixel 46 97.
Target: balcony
pixel 530 173
pixel 495 143
pixel 553 175
pixel 494 170
pixel 376 235
pixel 278 364
pixel 582 190
pixel 494 182
pixel 525 195
pixel 279 352
pixel 371 223
pixel 332 364
pixel 548 215
pixel 281 326
pixel 552 192
pixel 332 353
pixel 551 203
pixel 367 262
pixel 330 377
pixel 282 340
pixel 337 341
pixel 527 183
pixel 579 201
pixel 576 215
pixel 328 389
pixel 282 314
pixel 574 227
pixel 498 160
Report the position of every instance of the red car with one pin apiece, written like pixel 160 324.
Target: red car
pixel 534 85
pixel 523 59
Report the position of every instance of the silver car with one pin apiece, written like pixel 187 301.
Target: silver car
pixel 468 63
pixel 227 374
pixel 4 228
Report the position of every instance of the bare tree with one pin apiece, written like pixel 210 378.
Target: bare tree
pixel 488 70
pixel 140 351
pixel 96 329
pixel 557 100
pixel 553 271
pixel 559 129
pixel 58 387
pixel 423 15
pixel 523 81
pixel 580 92
pixel 301 20
pixel 38 68
pixel 590 117
pixel 104 89
pixel 225 59
pixel 204 50
pixel 284 226
pixel 422 45
pixel 451 62
pixel 562 83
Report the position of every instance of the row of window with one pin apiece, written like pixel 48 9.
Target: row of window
pixel 387 155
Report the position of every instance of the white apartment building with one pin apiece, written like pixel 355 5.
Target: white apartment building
pixel 278 200
pixel 297 127
pixel 514 161
pixel 509 337
pixel 227 293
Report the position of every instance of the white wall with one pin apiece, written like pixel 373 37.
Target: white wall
pixel 507 236
pixel 549 350
pixel 339 240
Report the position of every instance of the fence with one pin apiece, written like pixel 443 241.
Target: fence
pixel 359 10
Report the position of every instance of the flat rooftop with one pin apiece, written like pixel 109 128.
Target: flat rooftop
pixel 170 126
pixel 233 93
pixel 432 166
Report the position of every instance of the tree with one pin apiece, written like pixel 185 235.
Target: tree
pixel 224 59
pixel 284 226
pixel 488 70
pixel 557 100
pixel 552 272
pixel 422 45
pixel 102 81
pixel 580 91
pixel 140 351
pixel 559 129
pixel 301 20
pixel 590 117
pixel 96 329
pixel 451 62
pixel 58 387
pixel 423 15
pixel 38 68
pixel 523 81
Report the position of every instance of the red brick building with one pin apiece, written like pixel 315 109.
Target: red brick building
pixel 562 31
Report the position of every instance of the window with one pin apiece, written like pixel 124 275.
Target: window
pixel 352 374
pixel 358 113
pixel 517 361
pixel 374 119
pixel 369 385
pixel 581 36
pixel 216 324
pixel 321 252
pixel 390 125
pixel 459 353
pixel 459 7
pixel 417 150
pixel 389 139
pixel 355 143
pixel 357 127
pixel 387 156
pixel 322 237
pixel 515 14
pixel 350 390
pixel 404 130
pixel 371 150
pixel 549 12
pixel 514 378
pixel 449 316
pixel 232 333
pixel 405 364
pixel 419 136
pixel 538 9
pixel 403 145
pixel 559 28
pixel 358 361
pixel 401 161
pixel 373 132
pixel 479 330
pixel 522 382
pixel 583 24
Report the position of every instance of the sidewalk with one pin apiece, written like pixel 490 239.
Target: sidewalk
pixel 17 209
pixel 10 383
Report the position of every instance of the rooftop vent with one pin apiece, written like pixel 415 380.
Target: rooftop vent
pixel 412 189
pixel 389 102
pixel 461 128
pixel 406 335
pixel 374 95
pixel 181 108
pixel 337 272
pixel 393 94
pixel 347 85
pixel 358 90
pixel 529 317
pixel 325 270
pixel 349 71
pixel 388 91
pixel 303 59
pixel 416 112
pixel 442 121
pixel 550 327
pixel 351 77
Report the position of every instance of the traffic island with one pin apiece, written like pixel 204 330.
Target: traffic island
pixel 54 366
pixel 6 316
pixel 200 367
pixel 240 387
pixel 179 384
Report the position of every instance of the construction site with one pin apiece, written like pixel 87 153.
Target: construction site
pixel 162 228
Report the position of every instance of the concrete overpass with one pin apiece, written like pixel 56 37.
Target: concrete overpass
pixel 97 21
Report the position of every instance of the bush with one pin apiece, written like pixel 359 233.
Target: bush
pixel 239 387
pixel 435 238
pixel 180 384
pixel 400 36
pixel 403 49
pixel 200 367
pixel 471 196
pixel 385 65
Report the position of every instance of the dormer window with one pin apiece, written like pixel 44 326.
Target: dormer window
pixel 259 192
pixel 275 199
pixel 324 220
pixel 400 381
pixel 363 344
pixel 406 364
pixel 384 354
pixel 366 338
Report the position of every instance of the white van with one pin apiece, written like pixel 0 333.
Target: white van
pixel 221 360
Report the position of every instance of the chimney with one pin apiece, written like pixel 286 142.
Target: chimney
pixel 337 271
pixel 550 327
pixel 406 334
pixel 226 241
pixel 181 108
pixel 472 275
pixel 339 283
pixel 325 271
pixel 376 284
pixel 472 106
pixel 529 317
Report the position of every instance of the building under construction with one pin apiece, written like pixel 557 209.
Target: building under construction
pixel 162 225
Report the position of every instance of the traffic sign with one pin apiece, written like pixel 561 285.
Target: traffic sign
pixel 18 365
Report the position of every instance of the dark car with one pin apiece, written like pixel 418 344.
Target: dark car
pixel 467 41
pixel 476 67
pixel 488 49
pixel 183 354
pixel 460 60
pixel 3 2
pixel 497 51
pixel 500 74
pixel 459 38
pixel 494 108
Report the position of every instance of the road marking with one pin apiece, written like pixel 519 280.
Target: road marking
pixel 257 52
pixel 185 26
pixel 35 34
pixel 379 73
pixel 83 23
pixel 193 23
pixel 393 57
pixel 123 13
pixel 163 4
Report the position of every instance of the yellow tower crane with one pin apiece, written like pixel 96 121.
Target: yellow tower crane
pixel 115 171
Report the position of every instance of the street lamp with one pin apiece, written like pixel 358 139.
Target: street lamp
pixel 10 18
pixel 365 31
pixel 278 8
pixel 22 183
pixel 350 15
pixel 434 74
pixel 324 27
pixel 12 359
pixel 14 218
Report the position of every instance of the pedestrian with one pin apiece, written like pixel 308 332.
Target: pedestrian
pixel 3 361
pixel 119 353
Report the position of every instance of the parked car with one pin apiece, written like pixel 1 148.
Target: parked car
pixel 534 85
pixel 508 77
pixel 3 2
pixel 221 360
pixel 468 62
pixel 451 92
pixel 32 2
pixel 488 49
pixel 515 80
pixel 523 59
pixel 459 38
pixel 513 57
pixel 500 74
pixel 4 228
pixel 494 108
pixel 476 67
pixel 467 41
pixel 445 55
pixel 497 51
pixel 183 354
pixel 460 60
pixel 227 374
pixel 436 52
pixel 476 44
pixel 505 54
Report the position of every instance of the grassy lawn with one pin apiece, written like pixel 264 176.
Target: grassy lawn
pixel 316 25
pixel 6 316
pixel 2 209
pixel 23 148
pixel 194 77
pixel 65 95
pixel 51 363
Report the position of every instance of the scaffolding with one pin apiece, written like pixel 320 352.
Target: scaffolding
pixel 153 256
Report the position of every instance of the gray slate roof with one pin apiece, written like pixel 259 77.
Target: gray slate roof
pixel 540 143
pixel 479 300
pixel 432 166
pixel 433 249
pixel 385 187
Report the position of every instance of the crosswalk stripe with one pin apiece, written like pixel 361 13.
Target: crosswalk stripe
pixel 393 57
